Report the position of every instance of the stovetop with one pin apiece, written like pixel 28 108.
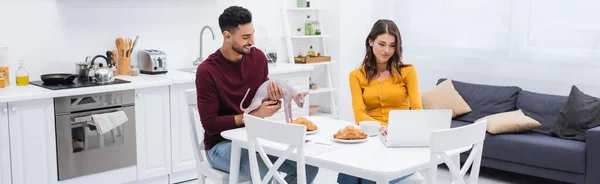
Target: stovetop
pixel 76 84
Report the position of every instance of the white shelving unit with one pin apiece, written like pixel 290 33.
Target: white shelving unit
pixel 291 38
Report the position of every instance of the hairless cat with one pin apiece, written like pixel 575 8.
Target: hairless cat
pixel 289 93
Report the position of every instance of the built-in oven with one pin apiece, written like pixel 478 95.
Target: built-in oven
pixel 81 149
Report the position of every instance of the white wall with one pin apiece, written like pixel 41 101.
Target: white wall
pixel 540 45
pixel 51 35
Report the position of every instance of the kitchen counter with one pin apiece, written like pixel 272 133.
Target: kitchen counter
pixel 30 92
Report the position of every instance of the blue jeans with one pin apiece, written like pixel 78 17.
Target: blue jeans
pixel 347 179
pixel 219 157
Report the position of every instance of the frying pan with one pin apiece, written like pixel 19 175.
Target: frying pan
pixel 58 78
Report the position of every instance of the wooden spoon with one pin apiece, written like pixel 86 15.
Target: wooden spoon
pixel 119 44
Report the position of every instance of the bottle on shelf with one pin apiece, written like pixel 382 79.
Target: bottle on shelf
pixel 301 3
pixel 308 26
pixel 22 75
pixel 311 52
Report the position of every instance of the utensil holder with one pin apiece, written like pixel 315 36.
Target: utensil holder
pixel 124 65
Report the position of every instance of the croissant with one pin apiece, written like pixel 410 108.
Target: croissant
pixel 310 126
pixel 350 133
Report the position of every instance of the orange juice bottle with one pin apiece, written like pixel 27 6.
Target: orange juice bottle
pixel 22 75
pixel 4 69
pixel 2 80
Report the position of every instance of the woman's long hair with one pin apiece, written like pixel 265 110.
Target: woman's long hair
pixel 394 64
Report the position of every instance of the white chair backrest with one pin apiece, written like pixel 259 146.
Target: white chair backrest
pixel 472 136
pixel 197 132
pixel 259 129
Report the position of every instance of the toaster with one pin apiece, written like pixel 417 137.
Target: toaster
pixel 152 61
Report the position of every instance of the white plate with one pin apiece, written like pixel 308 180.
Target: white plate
pixel 351 141
pixel 312 132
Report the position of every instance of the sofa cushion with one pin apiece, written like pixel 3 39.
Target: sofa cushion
pixel 458 123
pixel 509 122
pixel 581 113
pixel 485 100
pixel 444 96
pixel 542 107
pixel 537 150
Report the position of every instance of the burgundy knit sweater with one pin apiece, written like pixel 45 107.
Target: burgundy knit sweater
pixel 220 87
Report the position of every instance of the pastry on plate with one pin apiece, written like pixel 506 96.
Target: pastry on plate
pixel 350 133
pixel 310 126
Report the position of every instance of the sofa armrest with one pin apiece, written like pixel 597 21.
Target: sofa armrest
pixel 592 154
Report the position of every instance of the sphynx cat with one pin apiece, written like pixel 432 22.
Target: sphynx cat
pixel 289 94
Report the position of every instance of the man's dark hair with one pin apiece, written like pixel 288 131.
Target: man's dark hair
pixel 232 17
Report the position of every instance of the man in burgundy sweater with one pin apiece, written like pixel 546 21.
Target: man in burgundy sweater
pixel 222 81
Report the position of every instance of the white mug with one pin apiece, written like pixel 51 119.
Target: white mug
pixel 371 128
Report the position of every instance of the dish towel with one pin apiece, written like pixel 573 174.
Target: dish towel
pixel 108 121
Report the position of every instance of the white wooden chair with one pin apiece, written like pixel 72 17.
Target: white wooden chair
pixel 259 129
pixel 203 168
pixel 472 136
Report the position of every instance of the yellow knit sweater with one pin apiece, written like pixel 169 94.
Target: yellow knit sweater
pixel 375 100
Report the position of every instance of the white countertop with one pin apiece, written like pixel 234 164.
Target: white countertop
pixel 31 92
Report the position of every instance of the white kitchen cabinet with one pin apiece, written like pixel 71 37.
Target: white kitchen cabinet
pixel 32 142
pixel 152 108
pixel 182 156
pixel 5 174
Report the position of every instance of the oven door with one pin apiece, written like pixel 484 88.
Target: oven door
pixel 82 151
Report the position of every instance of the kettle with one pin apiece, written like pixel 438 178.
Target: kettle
pixel 101 74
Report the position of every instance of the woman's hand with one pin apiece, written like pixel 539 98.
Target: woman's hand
pixel 383 130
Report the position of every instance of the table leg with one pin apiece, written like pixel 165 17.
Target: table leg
pixel 234 167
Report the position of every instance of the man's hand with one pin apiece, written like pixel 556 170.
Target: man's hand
pixel 275 91
pixel 266 109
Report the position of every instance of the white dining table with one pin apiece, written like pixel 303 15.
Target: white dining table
pixel 369 159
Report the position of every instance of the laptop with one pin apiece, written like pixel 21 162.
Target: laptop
pixel 411 128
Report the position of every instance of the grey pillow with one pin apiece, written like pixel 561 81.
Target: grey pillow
pixel 485 100
pixel 544 108
pixel 581 113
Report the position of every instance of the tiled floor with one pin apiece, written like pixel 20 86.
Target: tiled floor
pixel 487 176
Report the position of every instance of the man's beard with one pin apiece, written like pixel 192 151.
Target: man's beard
pixel 240 50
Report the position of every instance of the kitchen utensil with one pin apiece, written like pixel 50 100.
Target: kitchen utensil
pixel 82 70
pixel 134 43
pixel 119 45
pixel 102 74
pixel 109 58
pixel 58 78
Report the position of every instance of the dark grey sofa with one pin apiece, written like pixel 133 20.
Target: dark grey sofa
pixel 537 152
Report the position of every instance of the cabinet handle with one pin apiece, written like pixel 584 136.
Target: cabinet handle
pixel 14 109
pixel 5 110
pixel 138 95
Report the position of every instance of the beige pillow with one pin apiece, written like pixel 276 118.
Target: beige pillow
pixel 444 96
pixel 509 122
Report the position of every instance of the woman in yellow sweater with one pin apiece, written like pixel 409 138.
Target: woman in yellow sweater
pixel 382 83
